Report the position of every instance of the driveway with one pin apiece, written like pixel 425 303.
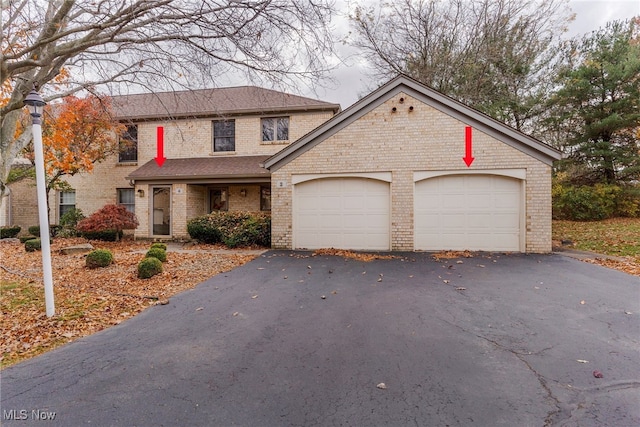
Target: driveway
pixel 291 339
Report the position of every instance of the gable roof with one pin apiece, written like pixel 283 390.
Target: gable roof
pixel 203 168
pixel 218 102
pixel 510 136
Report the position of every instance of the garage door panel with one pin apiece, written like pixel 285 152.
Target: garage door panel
pixel 476 212
pixel 344 213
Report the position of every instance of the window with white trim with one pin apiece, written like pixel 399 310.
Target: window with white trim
pixel 66 202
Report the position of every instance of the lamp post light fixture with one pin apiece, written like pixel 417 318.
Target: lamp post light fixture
pixel 35 104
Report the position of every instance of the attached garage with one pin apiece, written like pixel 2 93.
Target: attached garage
pixel 469 211
pixel 407 168
pixel 346 213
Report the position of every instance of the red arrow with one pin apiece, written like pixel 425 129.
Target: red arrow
pixel 160 158
pixel 468 159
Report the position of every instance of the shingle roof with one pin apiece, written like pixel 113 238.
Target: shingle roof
pixel 213 102
pixel 203 168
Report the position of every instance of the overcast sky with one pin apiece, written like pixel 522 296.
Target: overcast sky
pixel 590 15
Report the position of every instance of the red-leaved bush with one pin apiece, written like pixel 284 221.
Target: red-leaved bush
pixel 109 218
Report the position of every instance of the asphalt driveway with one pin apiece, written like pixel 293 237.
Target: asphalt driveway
pixel 297 340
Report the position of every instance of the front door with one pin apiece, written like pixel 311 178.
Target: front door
pixel 161 211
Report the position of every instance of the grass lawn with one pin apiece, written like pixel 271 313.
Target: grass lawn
pixel 617 236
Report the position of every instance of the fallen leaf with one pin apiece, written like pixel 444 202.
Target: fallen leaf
pixel 323 297
pixel 199 308
pixel 446 281
pixel 598 374
pixel 459 262
pixel 583 302
pixel 254 297
pixel 460 288
pixel 582 361
pixel 627 312
pixel 382 386
pixel 235 314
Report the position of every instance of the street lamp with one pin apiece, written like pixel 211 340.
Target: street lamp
pixel 35 104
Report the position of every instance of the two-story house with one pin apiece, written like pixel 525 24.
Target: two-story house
pixel 404 168
pixel 214 141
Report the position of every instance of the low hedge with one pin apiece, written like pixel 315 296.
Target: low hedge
pixel 105 236
pixel 9 232
pixel 160 245
pixel 32 245
pixel 232 228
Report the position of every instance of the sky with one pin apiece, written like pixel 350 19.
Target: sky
pixel 351 81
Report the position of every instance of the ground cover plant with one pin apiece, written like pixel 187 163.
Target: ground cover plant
pixel 88 300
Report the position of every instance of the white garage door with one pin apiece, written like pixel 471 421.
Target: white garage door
pixel 341 213
pixel 475 212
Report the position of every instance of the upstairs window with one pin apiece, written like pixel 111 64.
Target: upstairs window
pixel 275 129
pixel 224 135
pixel 129 145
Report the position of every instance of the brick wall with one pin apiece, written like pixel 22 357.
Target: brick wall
pixel 405 142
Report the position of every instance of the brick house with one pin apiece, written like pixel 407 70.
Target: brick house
pixel 214 143
pixel 395 172
pixel 405 168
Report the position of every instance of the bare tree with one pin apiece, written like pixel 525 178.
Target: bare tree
pixel 495 55
pixel 153 43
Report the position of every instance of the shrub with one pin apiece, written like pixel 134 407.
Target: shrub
pixel 71 218
pixel 110 218
pixel 583 203
pixel 158 253
pixel 35 230
pixel 23 239
pixel 232 228
pixel 160 245
pixel 9 232
pixel 69 222
pixel 149 267
pixel 32 245
pixel 99 258
pixel 593 203
pixel 105 235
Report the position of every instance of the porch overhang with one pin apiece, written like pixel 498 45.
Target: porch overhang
pixel 204 170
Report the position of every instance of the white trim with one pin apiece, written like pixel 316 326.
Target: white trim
pixel 380 176
pixel 511 173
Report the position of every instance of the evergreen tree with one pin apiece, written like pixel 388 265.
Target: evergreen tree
pixel 597 108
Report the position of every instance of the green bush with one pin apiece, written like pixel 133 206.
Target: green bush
pixel 149 267
pixel 158 253
pixel 32 245
pixel 104 235
pixel 160 245
pixel 53 230
pixel 26 238
pixel 71 218
pixel 594 203
pixel 9 232
pixel 99 258
pixel 232 228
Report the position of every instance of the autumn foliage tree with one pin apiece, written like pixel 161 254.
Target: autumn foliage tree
pixel 78 133
pixel 109 220
pixel 154 44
